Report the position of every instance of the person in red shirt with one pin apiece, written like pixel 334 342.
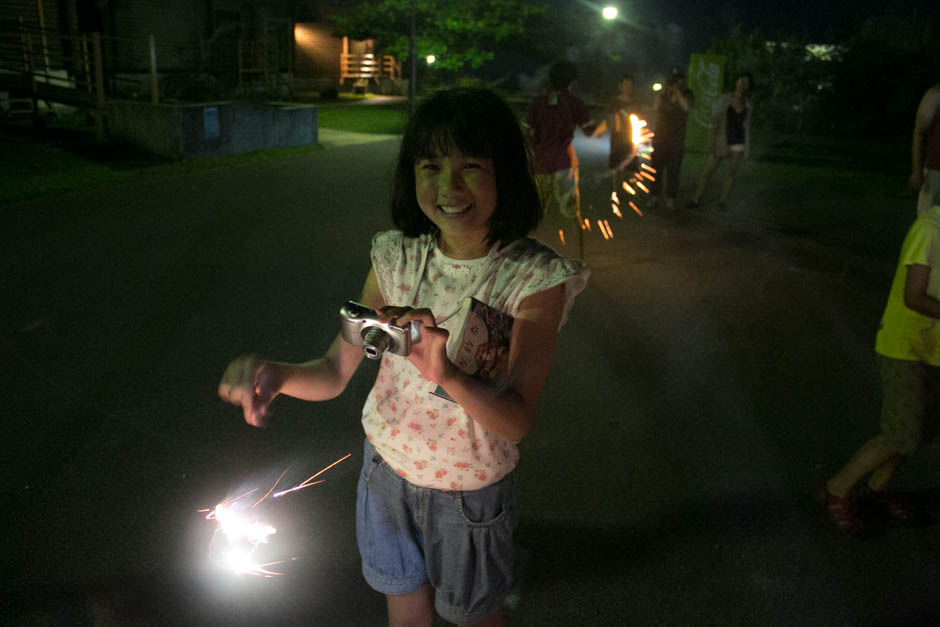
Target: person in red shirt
pixel 551 120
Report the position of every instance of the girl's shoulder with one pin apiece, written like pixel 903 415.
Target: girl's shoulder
pixel 538 259
pixel 385 242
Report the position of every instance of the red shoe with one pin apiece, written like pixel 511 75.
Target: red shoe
pixel 892 504
pixel 841 512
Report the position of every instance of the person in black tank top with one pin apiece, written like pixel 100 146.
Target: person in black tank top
pixel 730 137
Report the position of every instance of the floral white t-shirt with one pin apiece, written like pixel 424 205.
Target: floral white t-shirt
pixel 430 441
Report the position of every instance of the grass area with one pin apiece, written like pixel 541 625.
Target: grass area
pixel 377 119
pixel 65 156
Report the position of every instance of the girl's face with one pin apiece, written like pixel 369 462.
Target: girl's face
pixel 458 194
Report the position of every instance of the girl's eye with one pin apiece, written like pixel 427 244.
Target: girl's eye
pixel 428 166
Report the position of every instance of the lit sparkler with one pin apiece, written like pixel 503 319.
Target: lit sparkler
pixel 244 533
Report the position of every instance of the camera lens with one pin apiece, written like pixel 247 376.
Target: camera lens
pixel 374 342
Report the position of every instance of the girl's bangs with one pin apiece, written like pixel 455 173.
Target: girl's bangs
pixel 436 137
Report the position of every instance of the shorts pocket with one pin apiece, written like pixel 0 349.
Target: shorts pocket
pixel 371 461
pixel 487 506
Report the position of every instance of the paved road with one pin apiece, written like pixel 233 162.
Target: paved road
pixel 712 365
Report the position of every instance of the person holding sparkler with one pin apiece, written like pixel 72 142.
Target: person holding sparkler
pixel 907 348
pixel 672 112
pixel 623 160
pixel 551 121
pixel 731 137
pixel 925 151
pixel 435 508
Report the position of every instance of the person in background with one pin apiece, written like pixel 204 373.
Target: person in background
pixel 622 161
pixel 907 349
pixel 672 112
pixel 731 137
pixel 551 121
pixel 925 151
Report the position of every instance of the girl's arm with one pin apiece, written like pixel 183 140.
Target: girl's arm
pixel 915 291
pixel 510 409
pixel 254 383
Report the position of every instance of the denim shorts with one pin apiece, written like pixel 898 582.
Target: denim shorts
pixel 460 542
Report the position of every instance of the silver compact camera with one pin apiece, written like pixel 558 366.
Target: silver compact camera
pixel 361 327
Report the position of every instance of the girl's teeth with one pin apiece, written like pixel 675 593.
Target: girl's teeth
pixel 452 210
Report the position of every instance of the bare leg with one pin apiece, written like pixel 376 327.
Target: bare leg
pixel 882 475
pixel 415 609
pixel 729 179
pixel 869 458
pixel 713 162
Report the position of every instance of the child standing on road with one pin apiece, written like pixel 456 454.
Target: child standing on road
pixel 435 508
pixel 907 348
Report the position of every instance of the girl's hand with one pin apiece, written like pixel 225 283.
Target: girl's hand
pixel 428 354
pixel 252 383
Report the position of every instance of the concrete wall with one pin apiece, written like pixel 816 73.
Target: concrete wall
pixel 217 128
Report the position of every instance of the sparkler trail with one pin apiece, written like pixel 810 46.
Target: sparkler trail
pixel 243 536
pixel 306 483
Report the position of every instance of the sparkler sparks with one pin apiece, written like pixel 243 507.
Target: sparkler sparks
pixel 244 533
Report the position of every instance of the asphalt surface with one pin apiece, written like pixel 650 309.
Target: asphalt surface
pixel 716 366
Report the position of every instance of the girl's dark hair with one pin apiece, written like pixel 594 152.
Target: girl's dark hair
pixel 479 124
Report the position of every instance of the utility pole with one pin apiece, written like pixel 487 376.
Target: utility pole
pixel 413 55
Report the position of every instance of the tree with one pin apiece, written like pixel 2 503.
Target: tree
pixel 458 34
pixel 888 64
pixel 790 77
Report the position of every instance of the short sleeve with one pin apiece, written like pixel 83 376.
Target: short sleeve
pixel 553 271
pixel 581 115
pixel 920 247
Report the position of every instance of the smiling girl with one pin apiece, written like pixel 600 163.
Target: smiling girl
pixel 435 508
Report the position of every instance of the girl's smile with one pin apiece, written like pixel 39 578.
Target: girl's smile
pixel 458 194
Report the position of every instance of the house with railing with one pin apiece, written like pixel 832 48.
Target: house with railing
pixel 80 53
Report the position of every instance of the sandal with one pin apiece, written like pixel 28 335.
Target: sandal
pixel 893 505
pixel 841 512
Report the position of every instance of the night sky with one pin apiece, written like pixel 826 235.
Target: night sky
pixel 695 23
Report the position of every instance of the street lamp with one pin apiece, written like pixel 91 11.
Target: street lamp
pixel 609 12
pixel 430 59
